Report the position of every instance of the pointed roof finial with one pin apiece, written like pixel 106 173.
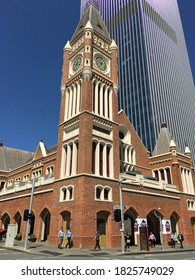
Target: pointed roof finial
pixel 88 26
pixel 113 45
pixel 67 46
pixel 187 150
pixel 172 143
pixel 164 125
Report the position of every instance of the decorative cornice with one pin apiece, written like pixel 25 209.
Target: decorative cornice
pixel 160 161
pixel 74 79
pixel 71 122
pixel 102 121
pixel 102 79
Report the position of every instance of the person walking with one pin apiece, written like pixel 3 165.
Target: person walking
pixel 60 237
pixel 69 238
pixel 152 239
pixel 172 239
pixel 127 241
pixel 180 239
pixel 97 239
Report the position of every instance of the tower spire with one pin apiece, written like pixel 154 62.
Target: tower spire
pixel 91 2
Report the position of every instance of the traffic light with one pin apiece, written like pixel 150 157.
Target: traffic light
pixel 30 215
pixel 25 217
pixel 117 215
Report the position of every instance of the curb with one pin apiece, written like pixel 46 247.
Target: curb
pixel 44 249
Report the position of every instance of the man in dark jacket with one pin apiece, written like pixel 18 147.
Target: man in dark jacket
pixel 180 239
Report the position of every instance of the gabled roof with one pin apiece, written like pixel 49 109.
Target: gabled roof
pixel 12 158
pixel 164 141
pixel 93 16
pixel 42 151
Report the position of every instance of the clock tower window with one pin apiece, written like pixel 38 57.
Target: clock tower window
pixel 73 100
pixel 102 99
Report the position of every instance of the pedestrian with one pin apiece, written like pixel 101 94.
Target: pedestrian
pixel 127 241
pixel 172 240
pixel 60 237
pixel 180 239
pixel 152 239
pixel 69 238
pixel 97 239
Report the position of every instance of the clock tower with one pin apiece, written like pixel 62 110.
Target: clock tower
pixel 88 135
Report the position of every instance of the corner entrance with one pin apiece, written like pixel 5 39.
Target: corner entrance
pixel 102 218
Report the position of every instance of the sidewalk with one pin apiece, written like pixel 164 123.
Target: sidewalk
pixel 43 248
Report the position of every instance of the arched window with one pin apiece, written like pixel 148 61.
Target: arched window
pixel 98 192
pixel 2 185
pixel 102 99
pixel 73 100
pixel 69 162
pixel 127 152
pixel 66 193
pixel 102 163
pixel 163 174
pixel 103 193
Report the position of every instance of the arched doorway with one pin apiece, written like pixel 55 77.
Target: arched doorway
pixel 154 224
pixel 192 220
pixel 18 220
pixel 5 220
pixel 130 217
pixel 65 223
pixel 45 216
pixel 102 218
pixel 174 223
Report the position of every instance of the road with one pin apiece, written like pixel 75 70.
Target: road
pixel 12 254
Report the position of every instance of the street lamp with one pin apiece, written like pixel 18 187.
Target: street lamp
pixel 30 211
pixel 160 222
pixel 121 180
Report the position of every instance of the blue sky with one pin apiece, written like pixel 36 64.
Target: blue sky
pixel 32 36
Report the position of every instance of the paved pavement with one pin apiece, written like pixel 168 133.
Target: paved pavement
pixel 43 248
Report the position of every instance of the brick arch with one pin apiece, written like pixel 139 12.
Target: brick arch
pixel 102 226
pixel 18 220
pixel 175 215
pixel 174 218
pixel 65 222
pixel 5 218
pixel 44 212
pixel 45 225
pixel 134 212
pixel 130 217
pixel 157 212
pixel 192 221
pixel 153 222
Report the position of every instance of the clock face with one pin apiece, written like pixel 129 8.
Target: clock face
pixel 76 64
pixel 101 63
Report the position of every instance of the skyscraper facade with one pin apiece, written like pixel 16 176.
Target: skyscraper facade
pixel 155 79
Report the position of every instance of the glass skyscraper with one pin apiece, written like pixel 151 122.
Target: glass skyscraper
pixel 155 79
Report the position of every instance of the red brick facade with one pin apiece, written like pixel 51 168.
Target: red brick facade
pixel 77 182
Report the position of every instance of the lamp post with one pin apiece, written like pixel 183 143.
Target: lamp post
pixel 30 210
pixel 160 222
pixel 121 180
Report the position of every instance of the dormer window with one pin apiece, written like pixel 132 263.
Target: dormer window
pixel 2 185
pixel 99 25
